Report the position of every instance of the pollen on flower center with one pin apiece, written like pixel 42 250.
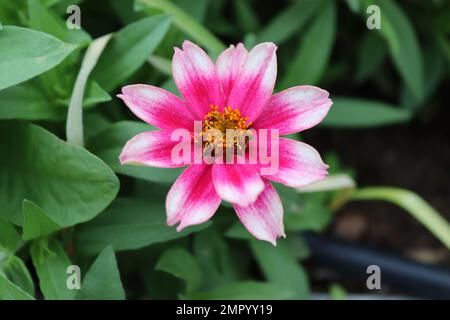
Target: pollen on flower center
pixel 228 130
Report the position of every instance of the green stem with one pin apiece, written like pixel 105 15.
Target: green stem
pixel 412 203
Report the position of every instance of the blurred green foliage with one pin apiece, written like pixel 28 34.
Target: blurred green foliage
pixel 58 203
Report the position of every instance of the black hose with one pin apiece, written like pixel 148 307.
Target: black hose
pixel 419 279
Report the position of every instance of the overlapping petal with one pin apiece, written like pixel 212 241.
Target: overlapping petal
pixel 244 81
pixel 192 198
pixel 299 164
pixel 256 81
pixel 264 217
pixel 294 110
pixel 158 107
pixel 151 148
pixel 237 183
pixel 196 77
pixel 229 65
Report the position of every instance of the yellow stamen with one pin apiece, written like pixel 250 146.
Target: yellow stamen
pixel 222 121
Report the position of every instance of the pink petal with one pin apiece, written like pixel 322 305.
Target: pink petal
pixel 150 148
pixel 237 183
pixel 256 81
pixel 264 217
pixel 158 107
pixel 192 198
pixel 196 77
pixel 229 65
pixel 295 109
pixel 299 164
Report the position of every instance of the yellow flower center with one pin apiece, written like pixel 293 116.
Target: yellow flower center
pixel 228 130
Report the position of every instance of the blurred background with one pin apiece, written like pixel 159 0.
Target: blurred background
pixel 386 139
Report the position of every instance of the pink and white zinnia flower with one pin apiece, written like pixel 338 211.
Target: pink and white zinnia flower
pixel 238 88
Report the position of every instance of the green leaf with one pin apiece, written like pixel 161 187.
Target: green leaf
pixel 315 49
pixel 26 102
pixel 285 24
pixel 214 257
pixel 245 290
pixel 102 281
pixel 312 216
pixel 197 9
pixel 51 263
pixel 403 45
pixel 371 54
pixel 360 113
pixel 55 81
pixel 70 184
pixel 9 239
pixel 10 11
pixel 128 50
pixel 93 95
pixel 186 24
pixel 337 292
pixel 117 227
pixel 42 19
pixel 434 72
pixel 354 5
pixel 181 264
pixel 25 53
pixel 36 223
pixel 16 271
pixel 280 268
pixel 74 123
pixel 245 16
pixel 9 291
pixel 109 143
pixel 237 231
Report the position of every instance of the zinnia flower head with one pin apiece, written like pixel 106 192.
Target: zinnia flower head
pixel 235 93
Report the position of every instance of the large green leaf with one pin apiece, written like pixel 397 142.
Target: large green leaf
pixel 10 291
pixel 129 49
pixel 9 239
pixel 315 49
pixel 181 264
pixel 25 53
pixel 57 80
pixel 360 113
pixel 36 223
pixel 102 281
pixel 51 263
pixel 280 268
pixel 128 224
pixel 109 143
pixel 25 101
pixel 70 184
pixel 246 290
